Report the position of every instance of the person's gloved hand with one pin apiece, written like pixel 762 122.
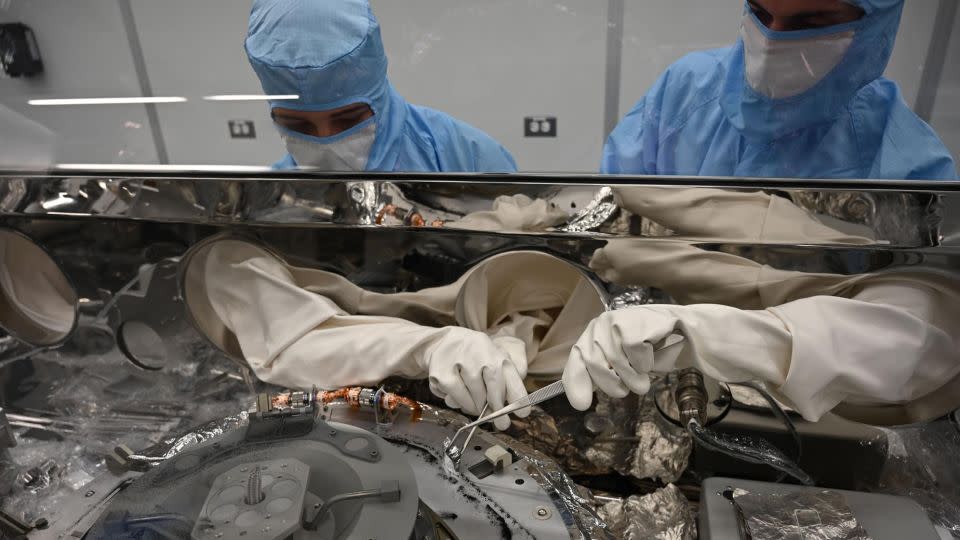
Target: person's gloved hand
pixel 616 353
pixel 468 369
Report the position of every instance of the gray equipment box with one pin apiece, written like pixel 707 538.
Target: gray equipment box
pixel 885 517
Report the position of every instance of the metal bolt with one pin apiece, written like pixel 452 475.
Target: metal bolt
pixel 90 493
pixel 542 513
pixel 333 432
pixel 374 453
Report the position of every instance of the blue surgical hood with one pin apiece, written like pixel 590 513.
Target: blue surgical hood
pixel 701 118
pixel 759 116
pixel 329 53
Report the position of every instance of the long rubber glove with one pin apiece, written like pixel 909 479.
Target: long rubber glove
pixel 816 352
pixel 295 338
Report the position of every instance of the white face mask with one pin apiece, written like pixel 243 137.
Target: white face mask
pixel 781 68
pixel 347 154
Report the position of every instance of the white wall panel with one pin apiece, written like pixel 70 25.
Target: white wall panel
pixel 657 33
pixel 946 111
pixel 195 49
pixel 913 40
pixel 489 63
pixel 493 62
pixel 85 54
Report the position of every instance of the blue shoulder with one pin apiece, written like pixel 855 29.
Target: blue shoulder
pixel 906 147
pixel 689 84
pixel 459 146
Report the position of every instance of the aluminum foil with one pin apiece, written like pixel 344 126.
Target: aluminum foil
pixel 599 211
pixel 635 296
pixel 637 441
pixel 552 478
pixel 921 464
pixel 663 451
pixel 172 446
pixel 560 438
pixel 365 199
pixel 662 515
pixel 810 515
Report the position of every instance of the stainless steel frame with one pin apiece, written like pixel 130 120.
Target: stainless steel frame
pixel 391 233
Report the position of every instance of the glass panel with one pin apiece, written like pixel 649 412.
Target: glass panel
pixel 138 82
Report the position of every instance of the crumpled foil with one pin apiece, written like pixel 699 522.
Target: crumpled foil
pixel 810 515
pixel 662 515
pixel 560 438
pixel 600 210
pixel 634 296
pixel 638 441
pixel 172 446
pixel 663 451
pixel 365 199
pixel 921 464
pixel 574 498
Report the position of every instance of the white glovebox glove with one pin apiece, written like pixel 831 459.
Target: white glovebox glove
pixel 736 215
pixel 468 370
pixel 295 338
pixel 512 213
pixel 616 354
pixel 888 345
pixel 35 288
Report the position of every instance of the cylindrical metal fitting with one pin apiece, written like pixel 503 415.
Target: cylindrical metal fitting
pixel 691 396
pixel 254 487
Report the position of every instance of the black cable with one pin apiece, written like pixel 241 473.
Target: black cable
pixel 784 416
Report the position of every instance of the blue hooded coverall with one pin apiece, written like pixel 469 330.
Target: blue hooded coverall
pixel 702 118
pixel 330 54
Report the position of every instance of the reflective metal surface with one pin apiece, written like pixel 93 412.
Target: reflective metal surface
pixel 123 242
pixel 889 213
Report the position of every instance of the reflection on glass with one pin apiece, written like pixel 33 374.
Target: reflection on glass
pixel 779 88
pixel 801 94
pixel 348 117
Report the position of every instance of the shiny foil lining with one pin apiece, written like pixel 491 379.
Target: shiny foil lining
pixel 172 446
pixel 595 214
pixel 807 515
pixel 662 515
pixel 636 440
